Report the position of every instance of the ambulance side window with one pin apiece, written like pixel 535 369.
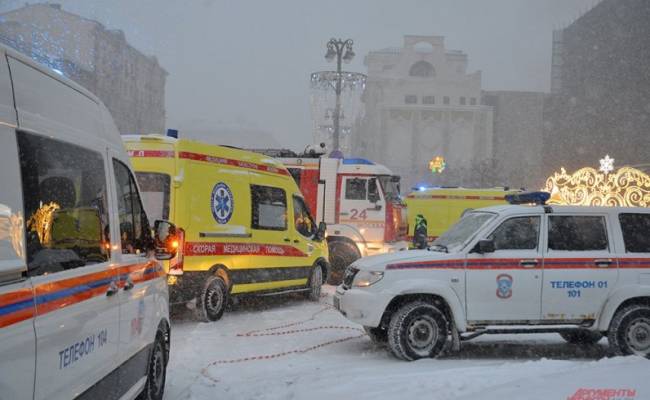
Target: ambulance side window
pixel 302 219
pixel 134 226
pixel 269 208
pixel 66 213
pixel 520 233
pixel 355 189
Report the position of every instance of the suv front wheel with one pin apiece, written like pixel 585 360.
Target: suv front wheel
pixel 417 330
pixel 629 332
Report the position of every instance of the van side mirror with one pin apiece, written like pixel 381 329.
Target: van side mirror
pixel 320 233
pixel 165 240
pixel 484 246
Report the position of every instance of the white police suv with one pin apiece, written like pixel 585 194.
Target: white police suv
pixel 83 304
pixel 583 272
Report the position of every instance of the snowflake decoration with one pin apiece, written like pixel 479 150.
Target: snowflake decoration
pixel 606 165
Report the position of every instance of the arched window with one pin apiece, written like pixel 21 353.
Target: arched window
pixel 422 69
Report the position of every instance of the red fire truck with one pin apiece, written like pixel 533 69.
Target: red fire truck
pixel 359 201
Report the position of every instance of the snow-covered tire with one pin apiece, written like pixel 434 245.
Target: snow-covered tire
pixel 417 330
pixel 342 254
pixel 583 337
pixel 377 335
pixel 154 388
pixel 629 331
pixel 212 301
pixel 315 284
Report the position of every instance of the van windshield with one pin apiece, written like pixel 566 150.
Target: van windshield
pixel 154 189
pixel 458 235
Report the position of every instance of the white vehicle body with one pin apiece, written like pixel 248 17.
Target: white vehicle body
pixel 358 200
pixel 545 283
pixel 78 315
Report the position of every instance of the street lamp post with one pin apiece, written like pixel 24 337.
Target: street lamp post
pixel 342 51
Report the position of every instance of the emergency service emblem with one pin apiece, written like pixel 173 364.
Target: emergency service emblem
pixel 221 203
pixel 504 286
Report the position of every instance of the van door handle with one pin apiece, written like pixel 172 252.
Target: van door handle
pixel 529 263
pixel 287 240
pixel 296 241
pixel 129 284
pixel 112 289
pixel 344 213
pixel 603 262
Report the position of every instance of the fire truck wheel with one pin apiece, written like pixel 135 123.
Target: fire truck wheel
pixel 582 336
pixel 629 331
pixel 315 283
pixel 212 300
pixel 417 330
pixel 342 254
pixel 377 335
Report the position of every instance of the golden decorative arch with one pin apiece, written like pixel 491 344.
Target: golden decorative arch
pixel 626 187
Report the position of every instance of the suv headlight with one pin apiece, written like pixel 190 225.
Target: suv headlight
pixel 367 278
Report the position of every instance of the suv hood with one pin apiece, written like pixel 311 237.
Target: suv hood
pixel 379 262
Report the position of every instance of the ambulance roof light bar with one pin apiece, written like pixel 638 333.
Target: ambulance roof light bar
pixel 536 198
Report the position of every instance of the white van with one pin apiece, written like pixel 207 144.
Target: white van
pixel 83 305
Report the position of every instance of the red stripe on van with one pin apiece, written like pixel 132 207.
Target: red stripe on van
pixel 233 163
pixel 151 153
pixel 241 249
pixel 456 197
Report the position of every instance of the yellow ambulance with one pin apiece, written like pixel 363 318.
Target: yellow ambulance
pixel 442 207
pixel 242 224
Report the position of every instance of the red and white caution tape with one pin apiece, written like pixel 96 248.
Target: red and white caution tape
pixel 270 332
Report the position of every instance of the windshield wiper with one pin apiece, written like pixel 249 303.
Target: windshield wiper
pixel 439 247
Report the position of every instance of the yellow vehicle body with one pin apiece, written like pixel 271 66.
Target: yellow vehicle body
pixel 233 227
pixel 442 207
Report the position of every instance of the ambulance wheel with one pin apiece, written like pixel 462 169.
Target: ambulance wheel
pixel 377 335
pixel 212 300
pixel 154 388
pixel 582 336
pixel 342 254
pixel 629 332
pixel 315 283
pixel 417 330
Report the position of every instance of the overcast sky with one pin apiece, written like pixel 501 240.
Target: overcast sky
pixel 243 62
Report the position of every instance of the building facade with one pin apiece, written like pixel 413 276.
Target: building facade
pixel 518 137
pixel 131 84
pixel 420 102
pixel 600 100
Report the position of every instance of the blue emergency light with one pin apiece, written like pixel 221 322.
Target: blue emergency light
pixel 537 198
pixel 357 161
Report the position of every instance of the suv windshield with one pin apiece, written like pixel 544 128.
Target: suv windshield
pixel 390 184
pixel 459 234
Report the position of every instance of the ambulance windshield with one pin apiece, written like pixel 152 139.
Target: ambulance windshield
pixel 154 189
pixel 458 235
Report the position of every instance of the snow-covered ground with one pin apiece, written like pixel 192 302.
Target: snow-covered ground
pixel 315 353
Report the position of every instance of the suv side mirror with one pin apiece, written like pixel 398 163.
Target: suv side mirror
pixel 320 233
pixel 484 246
pixel 165 240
